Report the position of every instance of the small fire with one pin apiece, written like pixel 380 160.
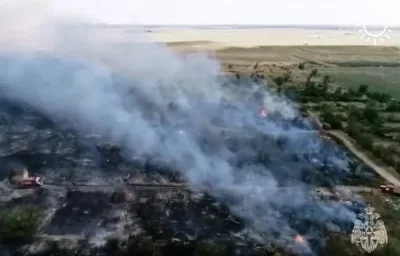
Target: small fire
pixel 299 239
pixel 264 113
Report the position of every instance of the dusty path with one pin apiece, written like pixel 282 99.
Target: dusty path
pixel 346 140
pixel 382 171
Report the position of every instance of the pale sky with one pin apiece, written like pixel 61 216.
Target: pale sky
pixel 352 12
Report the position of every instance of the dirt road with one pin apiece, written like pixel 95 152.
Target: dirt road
pixel 382 171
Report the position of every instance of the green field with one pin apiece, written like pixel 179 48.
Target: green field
pixel 380 79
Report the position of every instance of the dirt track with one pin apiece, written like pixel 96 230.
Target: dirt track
pixel 382 171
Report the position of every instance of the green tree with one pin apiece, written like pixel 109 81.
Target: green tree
pixel 371 114
pixel 345 97
pixel 301 66
pixel 21 225
pixel 362 89
pixel 237 76
pixel 331 119
pixel 365 140
pixel 393 106
pixel 355 113
pixel 279 80
pixel 256 65
pixel 354 128
pixel 338 92
pixel 380 97
pixel 314 73
pixel 326 80
pixel 353 93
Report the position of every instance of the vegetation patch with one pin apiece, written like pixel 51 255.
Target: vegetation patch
pixel 20 225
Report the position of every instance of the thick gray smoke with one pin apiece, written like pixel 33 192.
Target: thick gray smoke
pixel 156 102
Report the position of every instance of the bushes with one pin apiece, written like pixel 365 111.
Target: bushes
pixel 20 225
pixel 279 80
pixel 392 248
pixel 393 106
pixel 332 119
pixel 209 248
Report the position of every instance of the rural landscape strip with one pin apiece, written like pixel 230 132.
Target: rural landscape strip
pixel 381 171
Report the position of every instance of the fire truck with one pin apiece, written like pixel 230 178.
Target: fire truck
pixel 31 182
pixel 390 189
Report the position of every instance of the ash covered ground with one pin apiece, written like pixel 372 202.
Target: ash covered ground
pixel 75 109
pixel 52 149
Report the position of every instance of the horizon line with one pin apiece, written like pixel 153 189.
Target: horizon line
pixel 251 25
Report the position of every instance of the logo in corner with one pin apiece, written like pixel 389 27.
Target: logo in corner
pixel 368 232
pixel 375 35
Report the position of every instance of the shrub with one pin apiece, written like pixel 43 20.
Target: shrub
pixel 332 119
pixel 279 80
pixel 21 225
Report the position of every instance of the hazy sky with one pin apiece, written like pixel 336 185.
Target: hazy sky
pixel 353 12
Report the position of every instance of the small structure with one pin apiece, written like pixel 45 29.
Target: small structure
pixel 390 189
pixel 18 175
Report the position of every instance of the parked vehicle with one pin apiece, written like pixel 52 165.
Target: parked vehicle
pixel 31 182
pixel 390 189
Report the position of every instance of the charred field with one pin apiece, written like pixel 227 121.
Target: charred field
pixel 79 219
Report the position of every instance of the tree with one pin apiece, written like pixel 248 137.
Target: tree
pixel 362 89
pixel 331 119
pixel 393 106
pixel 355 113
pixel 353 93
pixel 314 73
pixel 371 114
pixel 301 66
pixel 380 97
pixel 237 76
pixel 354 128
pixel 256 65
pixel 338 92
pixel 366 140
pixel 21 225
pixel 279 80
pixel 326 80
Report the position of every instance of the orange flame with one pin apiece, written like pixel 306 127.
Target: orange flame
pixel 299 239
pixel 264 112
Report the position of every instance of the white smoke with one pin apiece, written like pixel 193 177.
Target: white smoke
pixel 91 77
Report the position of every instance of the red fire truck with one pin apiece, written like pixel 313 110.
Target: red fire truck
pixel 31 182
pixel 390 189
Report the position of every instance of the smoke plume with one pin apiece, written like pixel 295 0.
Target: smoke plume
pixel 159 103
